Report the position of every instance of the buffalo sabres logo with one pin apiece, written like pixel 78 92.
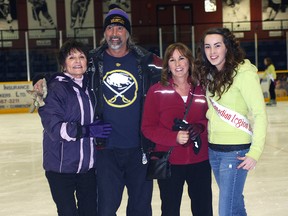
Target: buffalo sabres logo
pixel 122 88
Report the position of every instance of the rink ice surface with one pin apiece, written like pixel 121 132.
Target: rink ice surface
pixel 24 189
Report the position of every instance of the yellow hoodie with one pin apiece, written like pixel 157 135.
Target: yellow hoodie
pixel 245 97
pixel 270 72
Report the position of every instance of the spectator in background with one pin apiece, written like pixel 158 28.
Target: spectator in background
pixel 270 74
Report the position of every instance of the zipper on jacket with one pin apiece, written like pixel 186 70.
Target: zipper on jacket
pixel 62 157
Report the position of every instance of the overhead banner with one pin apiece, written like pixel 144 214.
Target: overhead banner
pixel 236 15
pixel 274 14
pixel 79 18
pixel 8 20
pixel 42 18
pixel 124 4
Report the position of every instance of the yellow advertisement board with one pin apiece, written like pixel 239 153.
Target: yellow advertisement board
pixel 14 97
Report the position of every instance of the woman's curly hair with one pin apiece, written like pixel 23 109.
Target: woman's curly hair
pixel 67 48
pixel 218 82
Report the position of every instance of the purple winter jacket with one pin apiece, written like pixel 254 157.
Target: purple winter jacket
pixel 67 107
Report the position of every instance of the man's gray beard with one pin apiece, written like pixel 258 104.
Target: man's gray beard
pixel 115 46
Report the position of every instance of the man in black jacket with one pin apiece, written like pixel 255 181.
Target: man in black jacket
pixel 121 73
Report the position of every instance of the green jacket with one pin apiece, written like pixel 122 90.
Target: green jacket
pixel 245 97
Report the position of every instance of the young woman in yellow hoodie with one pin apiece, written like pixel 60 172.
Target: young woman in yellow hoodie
pixel 233 91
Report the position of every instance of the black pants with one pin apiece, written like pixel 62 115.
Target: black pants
pixel 198 178
pixel 74 194
pixel 117 168
pixel 272 90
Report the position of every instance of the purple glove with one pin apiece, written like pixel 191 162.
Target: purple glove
pixel 195 130
pixel 97 129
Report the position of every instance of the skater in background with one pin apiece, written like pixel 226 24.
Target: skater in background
pixel 270 74
pixel 78 9
pixel 41 6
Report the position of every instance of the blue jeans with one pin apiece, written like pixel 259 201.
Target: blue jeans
pixel 230 181
pixel 117 168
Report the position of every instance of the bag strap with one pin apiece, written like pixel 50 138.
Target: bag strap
pixel 170 150
pixel 189 104
pixel 185 115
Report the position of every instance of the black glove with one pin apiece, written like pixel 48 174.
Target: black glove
pixel 195 130
pixel 97 129
pixel 197 144
pixel 180 124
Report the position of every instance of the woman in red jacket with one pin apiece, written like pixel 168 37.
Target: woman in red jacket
pixel 174 116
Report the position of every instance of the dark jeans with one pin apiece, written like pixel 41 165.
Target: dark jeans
pixel 272 90
pixel 198 178
pixel 116 169
pixel 74 194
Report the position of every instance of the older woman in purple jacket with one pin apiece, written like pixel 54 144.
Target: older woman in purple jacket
pixel 69 128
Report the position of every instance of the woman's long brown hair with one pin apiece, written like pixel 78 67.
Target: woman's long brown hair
pixel 218 82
